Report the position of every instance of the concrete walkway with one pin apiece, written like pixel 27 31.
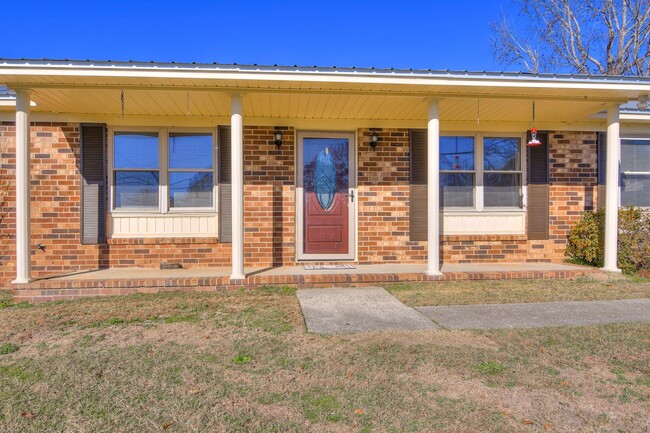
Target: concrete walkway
pixel 539 314
pixel 336 311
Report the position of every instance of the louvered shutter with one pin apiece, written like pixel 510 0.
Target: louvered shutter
pixel 93 184
pixel 538 199
pixel 602 166
pixel 225 186
pixel 418 211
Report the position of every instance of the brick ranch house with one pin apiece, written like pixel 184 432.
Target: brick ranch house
pixel 130 165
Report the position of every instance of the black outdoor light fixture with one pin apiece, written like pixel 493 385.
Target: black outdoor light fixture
pixel 374 139
pixel 278 138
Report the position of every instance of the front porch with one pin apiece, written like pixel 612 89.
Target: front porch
pixel 107 282
pixel 130 166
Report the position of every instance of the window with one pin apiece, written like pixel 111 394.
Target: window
pixel 493 183
pixel 635 172
pixel 501 172
pixel 136 173
pixel 481 183
pixel 163 170
pixel 191 176
pixel 457 171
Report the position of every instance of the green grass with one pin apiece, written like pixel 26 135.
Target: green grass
pixel 7 348
pixel 513 291
pixel 490 367
pixel 241 361
pixel 6 301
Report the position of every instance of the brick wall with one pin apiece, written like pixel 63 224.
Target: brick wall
pixel 269 207
pixel 269 197
pixel 150 253
pixel 383 199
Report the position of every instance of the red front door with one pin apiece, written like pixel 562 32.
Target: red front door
pixel 326 174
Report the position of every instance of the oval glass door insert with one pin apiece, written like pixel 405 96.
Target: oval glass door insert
pixel 325 179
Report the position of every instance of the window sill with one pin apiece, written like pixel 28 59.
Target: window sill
pixel 157 214
pixel 490 212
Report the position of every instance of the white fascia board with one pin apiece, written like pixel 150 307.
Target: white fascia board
pixel 636 117
pixel 317 76
pixel 9 102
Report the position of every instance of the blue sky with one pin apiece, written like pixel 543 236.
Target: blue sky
pixel 434 34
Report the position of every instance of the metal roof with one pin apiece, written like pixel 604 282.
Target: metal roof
pixel 149 65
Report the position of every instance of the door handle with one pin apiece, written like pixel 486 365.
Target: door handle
pixel 351 195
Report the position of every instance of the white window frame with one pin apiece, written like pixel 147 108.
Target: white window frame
pixel 473 172
pixel 520 172
pixel 163 169
pixel 633 173
pixel 479 205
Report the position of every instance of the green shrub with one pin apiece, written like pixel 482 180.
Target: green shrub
pixel 586 239
pixel 633 239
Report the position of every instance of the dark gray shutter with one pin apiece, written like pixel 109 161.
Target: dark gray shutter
pixel 418 185
pixel 602 166
pixel 225 186
pixel 93 184
pixel 538 199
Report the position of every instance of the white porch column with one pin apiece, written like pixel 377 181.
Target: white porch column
pixel 23 250
pixel 612 189
pixel 237 173
pixel 433 188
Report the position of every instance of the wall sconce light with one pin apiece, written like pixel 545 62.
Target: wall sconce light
pixel 642 102
pixel 374 139
pixel 278 138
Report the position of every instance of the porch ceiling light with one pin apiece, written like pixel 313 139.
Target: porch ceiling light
pixel 642 102
pixel 374 139
pixel 278 138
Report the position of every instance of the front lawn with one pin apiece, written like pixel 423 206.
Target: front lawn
pixel 511 291
pixel 240 361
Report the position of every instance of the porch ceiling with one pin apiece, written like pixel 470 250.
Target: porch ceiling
pixel 294 105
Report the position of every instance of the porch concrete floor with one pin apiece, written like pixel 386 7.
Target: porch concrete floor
pixel 147 273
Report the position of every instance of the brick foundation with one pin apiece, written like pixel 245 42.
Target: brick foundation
pixel 269 207
pixel 45 291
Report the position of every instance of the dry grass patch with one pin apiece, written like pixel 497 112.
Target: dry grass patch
pixel 242 362
pixel 513 291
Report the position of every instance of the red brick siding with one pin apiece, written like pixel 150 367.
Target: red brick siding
pixel 383 199
pixel 150 253
pixel 269 197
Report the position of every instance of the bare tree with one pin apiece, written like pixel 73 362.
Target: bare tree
pixel 591 37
